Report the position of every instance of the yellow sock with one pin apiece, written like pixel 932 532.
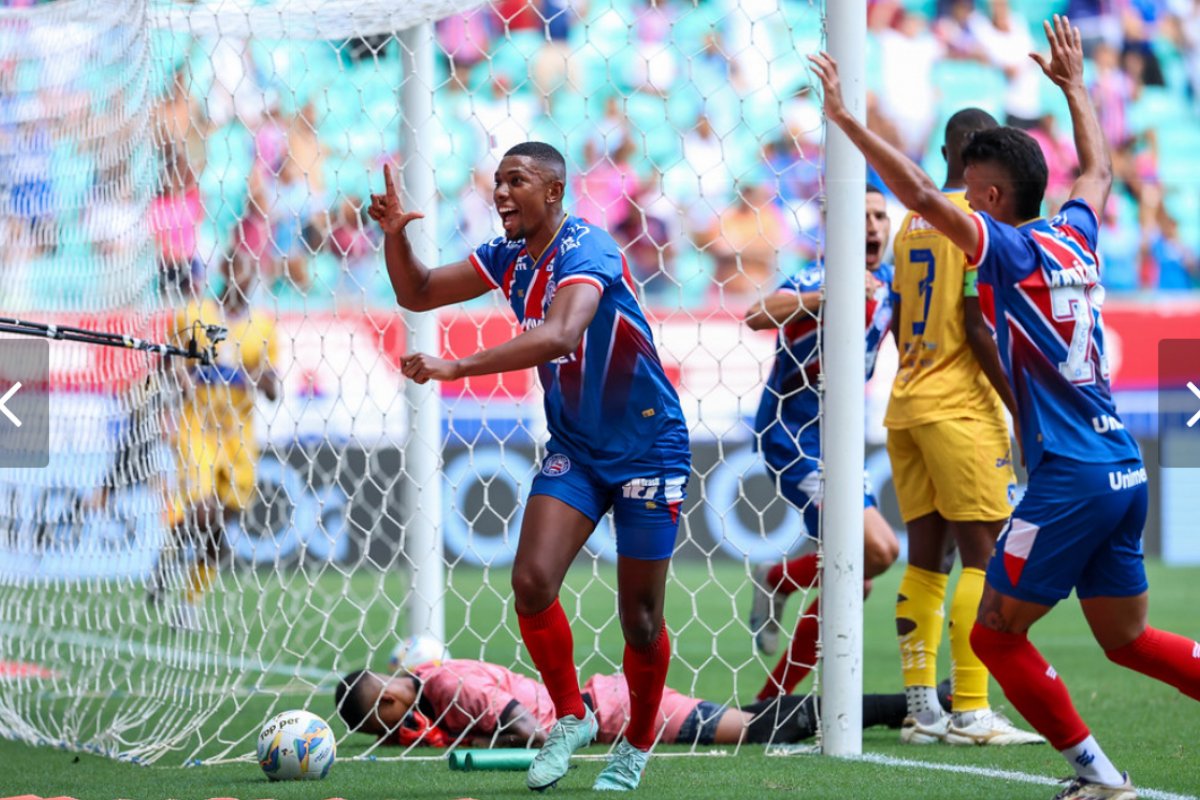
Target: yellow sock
pixel 967 673
pixel 919 617
pixel 200 580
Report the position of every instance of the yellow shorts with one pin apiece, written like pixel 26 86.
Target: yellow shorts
pixel 211 466
pixel 961 468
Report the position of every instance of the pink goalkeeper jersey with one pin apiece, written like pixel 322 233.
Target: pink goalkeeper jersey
pixel 472 696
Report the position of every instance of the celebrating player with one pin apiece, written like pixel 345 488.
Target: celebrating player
pixel 217 449
pixel 1079 525
pixel 617 434
pixel 951 464
pixel 482 704
pixel 789 436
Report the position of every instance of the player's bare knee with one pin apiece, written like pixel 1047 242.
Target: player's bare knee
pixel 534 589
pixel 640 626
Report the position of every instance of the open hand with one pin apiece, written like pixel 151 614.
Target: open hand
pixel 827 70
pixel 386 209
pixel 423 368
pixel 1065 66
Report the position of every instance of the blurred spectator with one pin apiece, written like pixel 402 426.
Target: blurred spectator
pixel 705 157
pixel 235 93
pixel 476 218
pixel 1097 22
pixel 504 117
pixel 174 215
pixel 611 131
pixel 270 143
pixel 744 243
pixel 656 68
pixel 646 237
pixel 516 15
pixel 465 38
pixel 1119 245
pixel 553 69
pixel 1005 40
pixel 908 52
pixel 953 29
pixel 306 150
pixel 1062 162
pixel 179 123
pixel 351 242
pixel 1140 23
pixel 606 187
pixel 1189 45
pixel 1167 263
pixel 291 212
pixel 1112 91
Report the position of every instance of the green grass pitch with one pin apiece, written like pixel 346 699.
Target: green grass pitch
pixel 1147 728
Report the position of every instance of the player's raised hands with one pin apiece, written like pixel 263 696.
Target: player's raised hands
pixel 386 209
pixel 1065 66
pixel 826 69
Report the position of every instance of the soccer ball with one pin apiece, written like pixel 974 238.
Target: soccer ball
pixel 414 650
pixel 296 745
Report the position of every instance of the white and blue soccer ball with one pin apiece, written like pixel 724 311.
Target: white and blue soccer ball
pixel 296 745
pixel 414 650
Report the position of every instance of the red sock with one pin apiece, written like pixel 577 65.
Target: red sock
pixel 1030 684
pixel 646 674
pixel 1164 656
pixel 547 637
pixel 800 657
pixel 799 573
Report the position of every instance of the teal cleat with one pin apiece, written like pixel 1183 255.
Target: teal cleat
pixel 552 761
pixel 624 770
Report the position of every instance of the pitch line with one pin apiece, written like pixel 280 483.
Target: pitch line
pixel 164 653
pixel 1001 774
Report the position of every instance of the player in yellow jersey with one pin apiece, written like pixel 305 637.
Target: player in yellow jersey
pixel 951 465
pixel 216 445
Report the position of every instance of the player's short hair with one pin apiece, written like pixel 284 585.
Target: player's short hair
pixel 1017 153
pixel 546 155
pixel 350 698
pixel 964 124
pixel 873 189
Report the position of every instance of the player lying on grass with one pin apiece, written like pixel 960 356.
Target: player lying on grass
pixel 482 704
pixel 1079 525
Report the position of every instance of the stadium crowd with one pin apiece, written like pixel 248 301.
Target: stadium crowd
pixel 694 134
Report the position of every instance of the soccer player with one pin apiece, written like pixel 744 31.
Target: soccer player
pixel 951 464
pixel 482 704
pixel 1079 524
pixel 788 425
pixel 618 438
pixel 217 450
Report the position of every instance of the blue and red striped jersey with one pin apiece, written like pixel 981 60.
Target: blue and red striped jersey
pixel 1046 299
pixel 609 403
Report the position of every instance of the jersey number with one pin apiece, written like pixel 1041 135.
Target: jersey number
pixel 925 287
pixel 1072 304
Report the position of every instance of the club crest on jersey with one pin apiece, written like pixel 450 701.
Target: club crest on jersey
pixel 571 240
pixel 556 464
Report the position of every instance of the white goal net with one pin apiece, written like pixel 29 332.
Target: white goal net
pixel 211 545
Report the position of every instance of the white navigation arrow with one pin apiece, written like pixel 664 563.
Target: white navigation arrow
pixel 1195 417
pixel 13 417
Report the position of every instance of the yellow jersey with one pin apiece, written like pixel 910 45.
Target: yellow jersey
pixel 938 377
pixel 224 392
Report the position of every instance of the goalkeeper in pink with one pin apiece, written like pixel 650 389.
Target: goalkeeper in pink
pixel 1079 526
pixel 618 439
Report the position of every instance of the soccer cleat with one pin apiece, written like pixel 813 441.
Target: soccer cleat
pixel 552 761
pixel 987 727
pixel 624 770
pixel 766 607
pixel 916 730
pixel 1080 789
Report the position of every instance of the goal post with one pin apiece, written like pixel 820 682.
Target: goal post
pixel 357 508
pixel 843 358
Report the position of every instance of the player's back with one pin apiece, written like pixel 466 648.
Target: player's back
pixel 938 377
pixel 1047 295
pixel 469 694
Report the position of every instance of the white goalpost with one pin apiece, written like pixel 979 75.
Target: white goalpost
pixel 178 162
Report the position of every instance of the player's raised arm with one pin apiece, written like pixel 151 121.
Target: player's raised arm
pixel 417 287
pixel 908 181
pixel 1065 68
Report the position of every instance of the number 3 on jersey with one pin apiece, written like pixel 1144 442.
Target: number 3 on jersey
pixel 925 286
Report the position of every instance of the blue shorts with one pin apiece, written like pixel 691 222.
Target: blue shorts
pixel 645 510
pixel 1078 527
pixel 801 485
